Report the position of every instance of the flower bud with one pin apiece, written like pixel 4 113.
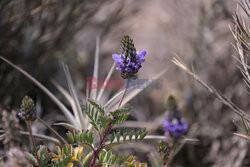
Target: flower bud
pixel 27 109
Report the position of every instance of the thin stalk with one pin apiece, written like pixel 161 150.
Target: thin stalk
pixel 171 155
pixel 28 123
pixel 60 138
pixel 125 91
pixel 43 137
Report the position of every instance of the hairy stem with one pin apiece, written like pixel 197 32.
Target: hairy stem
pixel 28 123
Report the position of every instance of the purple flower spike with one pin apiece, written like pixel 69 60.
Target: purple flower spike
pixel 129 62
pixel 176 129
pixel 174 124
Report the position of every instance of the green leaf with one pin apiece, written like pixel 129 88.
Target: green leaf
pixel 118 135
pixel 58 149
pixel 131 135
pixel 77 137
pixel 130 158
pixel 102 157
pixel 86 158
pixel 85 137
pixel 65 150
pixel 114 158
pixel 31 157
pixel 112 137
pixel 124 136
pixel 70 150
pixel 70 137
pixel 90 140
pixel 87 110
pixel 67 160
pixel 121 119
pixel 120 112
pixel 125 117
pixel 104 121
pixel 96 116
pixel 108 156
pixel 92 112
pixel 44 156
pixel 97 106
pixel 143 134
pixel 81 137
pixel 136 135
pixel 120 115
pixel 93 120
pixel 122 159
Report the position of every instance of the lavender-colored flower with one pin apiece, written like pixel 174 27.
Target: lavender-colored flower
pixel 176 129
pixel 174 124
pixel 129 61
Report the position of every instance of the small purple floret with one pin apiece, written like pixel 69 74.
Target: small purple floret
pixel 176 129
pixel 140 57
pixel 129 65
pixel 117 58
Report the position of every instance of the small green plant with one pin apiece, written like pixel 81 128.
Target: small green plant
pixel 90 126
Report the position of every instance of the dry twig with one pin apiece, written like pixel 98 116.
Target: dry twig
pixel 212 90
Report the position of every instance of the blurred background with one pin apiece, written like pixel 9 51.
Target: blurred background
pixel 39 35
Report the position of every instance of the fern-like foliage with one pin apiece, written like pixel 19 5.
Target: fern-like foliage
pixel 97 116
pixel 43 155
pixel 81 137
pixel 97 106
pixel 128 135
pixel 70 154
pixel 120 115
pixel 107 158
pixel 67 155
pixel 62 161
pixel 102 122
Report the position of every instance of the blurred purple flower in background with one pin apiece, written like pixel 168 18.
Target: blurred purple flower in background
pixel 129 61
pixel 176 129
pixel 174 124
